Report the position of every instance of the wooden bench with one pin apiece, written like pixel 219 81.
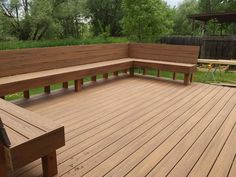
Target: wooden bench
pixel 31 136
pixel 174 58
pixel 24 69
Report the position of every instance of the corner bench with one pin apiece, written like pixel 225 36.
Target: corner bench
pixel 32 137
pixel 24 69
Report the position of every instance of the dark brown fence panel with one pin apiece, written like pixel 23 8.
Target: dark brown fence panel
pixel 212 47
pixel 218 48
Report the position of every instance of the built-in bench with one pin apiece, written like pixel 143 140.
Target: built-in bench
pixel 31 137
pixel 34 137
pixel 24 69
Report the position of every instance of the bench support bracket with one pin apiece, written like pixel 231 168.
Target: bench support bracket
pixel 105 76
pixel 94 78
pixel 49 163
pixel 131 72
pixel 174 75
pixel 26 94
pixel 78 84
pixel 47 89
pixel 65 85
pixel 3 162
pixel 144 71
pixel 116 73
pixel 158 73
pixel 186 78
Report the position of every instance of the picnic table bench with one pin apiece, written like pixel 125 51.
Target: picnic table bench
pixel 31 137
pixel 25 69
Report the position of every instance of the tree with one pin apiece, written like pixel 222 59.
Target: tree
pixel 208 6
pixel 71 17
pixel 105 16
pixel 35 19
pixel 182 26
pixel 20 15
pixel 145 20
pixel 213 6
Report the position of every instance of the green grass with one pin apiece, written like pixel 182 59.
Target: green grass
pixel 8 45
pixel 225 77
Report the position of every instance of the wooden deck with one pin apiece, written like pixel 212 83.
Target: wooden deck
pixel 143 127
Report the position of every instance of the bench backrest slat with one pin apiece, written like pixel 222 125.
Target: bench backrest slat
pixel 13 62
pixel 171 53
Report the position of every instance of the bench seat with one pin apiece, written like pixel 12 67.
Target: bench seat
pixel 31 136
pixel 21 82
pixel 25 69
pixel 165 65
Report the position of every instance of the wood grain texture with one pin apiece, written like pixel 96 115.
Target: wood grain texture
pixel 22 61
pixel 49 163
pixel 171 53
pixel 142 127
pixel 22 82
pixel 33 68
pixel 31 135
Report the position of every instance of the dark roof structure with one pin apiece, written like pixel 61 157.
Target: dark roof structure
pixel 219 17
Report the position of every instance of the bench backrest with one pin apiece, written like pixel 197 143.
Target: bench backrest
pixel 170 53
pixel 13 62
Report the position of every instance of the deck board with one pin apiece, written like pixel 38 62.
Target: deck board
pixel 142 127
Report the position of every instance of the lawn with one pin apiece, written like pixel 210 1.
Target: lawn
pixel 225 77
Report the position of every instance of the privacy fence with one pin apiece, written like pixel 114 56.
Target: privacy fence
pixel 212 47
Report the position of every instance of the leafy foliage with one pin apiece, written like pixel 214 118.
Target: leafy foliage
pixel 105 16
pixel 187 7
pixel 144 20
pixel 140 20
pixel 182 26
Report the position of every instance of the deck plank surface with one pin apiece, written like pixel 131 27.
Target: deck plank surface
pixel 142 127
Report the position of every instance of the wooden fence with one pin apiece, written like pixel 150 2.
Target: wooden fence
pixel 212 47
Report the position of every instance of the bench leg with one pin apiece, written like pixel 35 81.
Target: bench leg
pixel 174 76
pixel 78 85
pixel 186 78
pixel 144 71
pixel 26 94
pixel 49 164
pixel 105 76
pixel 65 85
pixel 131 72
pixel 3 162
pixel 158 73
pixel 116 73
pixel 47 89
pixel 94 78
pixel 126 71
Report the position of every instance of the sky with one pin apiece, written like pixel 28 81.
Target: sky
pixel 172 3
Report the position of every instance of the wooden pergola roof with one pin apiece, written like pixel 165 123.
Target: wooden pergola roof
pixel 219 17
